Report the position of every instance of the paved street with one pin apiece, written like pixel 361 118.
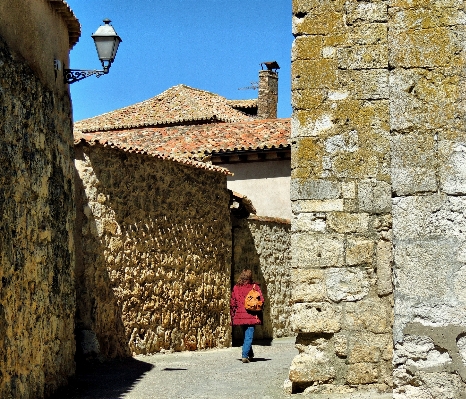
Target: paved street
pixel 217 373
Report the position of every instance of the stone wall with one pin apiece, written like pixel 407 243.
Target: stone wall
pixel 37 297
pixel 262 244
pixel 341 198
pixel 154 256
pixel 379 139
pixel 429 197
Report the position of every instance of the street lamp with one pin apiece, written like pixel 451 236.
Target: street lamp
pixel 106 42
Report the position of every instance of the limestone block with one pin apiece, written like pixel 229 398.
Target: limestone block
pixel 374 196
pixel 432 281
pixel 362 373
pixel 312 367
pixel 429 216
pixel 348 190
pixel 347 142
pixel 340 343
pixel 312 222
pixel 384 268
pixel 308 124
pixel 368 34
pixel 347 284
pixel 313 74
pixel 308 285
pixel 412 48
pixel 424 99
pixel 369 348
pixel 359 252
pixel 358 11
pixel 307 154
pixel 307 98
pixel 371 314
pixel 414 163
pixel 314 189
pixel 307 48
pixel 403 16
pixel 343 222
pixel 452 167
pixel 367 84
pixel 316 250
pixel 363 57
pixel 321 20
pixel 316 318
pixel 317 205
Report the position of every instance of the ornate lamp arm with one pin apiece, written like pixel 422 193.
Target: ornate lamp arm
pixel 75 75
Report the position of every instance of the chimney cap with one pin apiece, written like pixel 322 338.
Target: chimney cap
pixel 270 65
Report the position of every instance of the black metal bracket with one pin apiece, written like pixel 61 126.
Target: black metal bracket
pixel 75 75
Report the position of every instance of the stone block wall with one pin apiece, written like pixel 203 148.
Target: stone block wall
pixel 262 244
pixel 37 297
pixel 154 256
pixel 341 198
pixel 428 134
pixel 379 140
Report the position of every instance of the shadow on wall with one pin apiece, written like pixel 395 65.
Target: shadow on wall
pixel 97 308
pixel 245 256
pixel 93 379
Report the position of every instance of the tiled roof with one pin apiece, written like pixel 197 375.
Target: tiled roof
pixel 178 105
pixel 72 23
pixel 242 103
pixel 196 141
pixel 92 141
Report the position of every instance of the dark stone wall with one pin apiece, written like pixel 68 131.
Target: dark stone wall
pixel 37 297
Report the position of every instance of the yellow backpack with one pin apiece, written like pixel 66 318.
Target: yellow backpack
pixel 253 301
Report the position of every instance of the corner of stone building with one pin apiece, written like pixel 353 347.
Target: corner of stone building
pixel 341 199
pixel 378 188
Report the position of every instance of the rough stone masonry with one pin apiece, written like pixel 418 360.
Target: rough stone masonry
pixel 378 192
pixel 153 253
pixel 37 296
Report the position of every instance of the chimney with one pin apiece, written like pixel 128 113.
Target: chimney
pixel 268 91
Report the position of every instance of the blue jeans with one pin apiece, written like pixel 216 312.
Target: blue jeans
pixel 248 335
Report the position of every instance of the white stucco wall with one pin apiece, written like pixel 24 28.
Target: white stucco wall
pixel 266 184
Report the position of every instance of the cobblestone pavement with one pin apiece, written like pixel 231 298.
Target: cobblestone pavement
pixel 216 373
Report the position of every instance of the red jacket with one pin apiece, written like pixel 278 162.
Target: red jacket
pixel 239 314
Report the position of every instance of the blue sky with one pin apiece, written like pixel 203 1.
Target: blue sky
pixel 213 45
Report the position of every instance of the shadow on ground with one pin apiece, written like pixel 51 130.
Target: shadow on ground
pixel 107 380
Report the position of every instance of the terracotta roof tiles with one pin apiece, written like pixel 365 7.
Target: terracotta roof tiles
pixel 242 103
pixel 197 141
pixel 177 105
pixel 92 141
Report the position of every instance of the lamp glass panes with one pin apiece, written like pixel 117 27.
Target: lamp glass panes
pixel 106 42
